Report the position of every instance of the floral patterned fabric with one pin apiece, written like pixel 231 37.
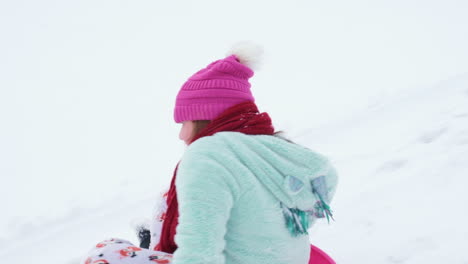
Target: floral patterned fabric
pixel 119 251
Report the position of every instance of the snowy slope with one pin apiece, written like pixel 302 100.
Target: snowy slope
pixel 403 163
pixel 404 174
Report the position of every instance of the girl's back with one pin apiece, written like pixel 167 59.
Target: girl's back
pixel 262 194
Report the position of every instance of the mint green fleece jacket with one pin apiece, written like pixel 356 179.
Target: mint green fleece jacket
pixel 235 194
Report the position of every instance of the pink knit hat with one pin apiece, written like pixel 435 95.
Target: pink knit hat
pixel 210 91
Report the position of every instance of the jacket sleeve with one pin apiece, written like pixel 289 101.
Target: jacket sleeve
pixel 205 200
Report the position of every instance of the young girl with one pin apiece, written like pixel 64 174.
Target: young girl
pixel 241 194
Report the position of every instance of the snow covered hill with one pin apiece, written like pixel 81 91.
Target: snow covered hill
pixel 402 196
pixel 403 164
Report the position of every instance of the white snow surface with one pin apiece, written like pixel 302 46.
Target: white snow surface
pixel 403 165
pixel 87 139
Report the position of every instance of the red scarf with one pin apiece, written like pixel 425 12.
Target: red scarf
pixel 244 118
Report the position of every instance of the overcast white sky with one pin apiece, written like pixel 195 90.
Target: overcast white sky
pixel 87 87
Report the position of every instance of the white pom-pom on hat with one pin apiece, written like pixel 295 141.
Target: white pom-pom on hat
pixel 248 53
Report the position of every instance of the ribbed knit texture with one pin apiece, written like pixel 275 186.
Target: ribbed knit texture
pixel 210 91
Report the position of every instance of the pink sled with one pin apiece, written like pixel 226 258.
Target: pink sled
pixel 317 256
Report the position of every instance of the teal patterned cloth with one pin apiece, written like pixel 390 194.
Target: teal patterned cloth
pixel 249 199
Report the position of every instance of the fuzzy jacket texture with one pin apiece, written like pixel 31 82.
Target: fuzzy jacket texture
pixel 232 191
pixel 244 118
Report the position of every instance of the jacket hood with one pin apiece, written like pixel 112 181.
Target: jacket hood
pixel 302 180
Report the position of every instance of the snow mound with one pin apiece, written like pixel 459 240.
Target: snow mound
pixel 401 199
pixel 403 165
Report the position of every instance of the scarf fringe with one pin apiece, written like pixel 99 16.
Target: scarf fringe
pixel 323 209
pixel 298 221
